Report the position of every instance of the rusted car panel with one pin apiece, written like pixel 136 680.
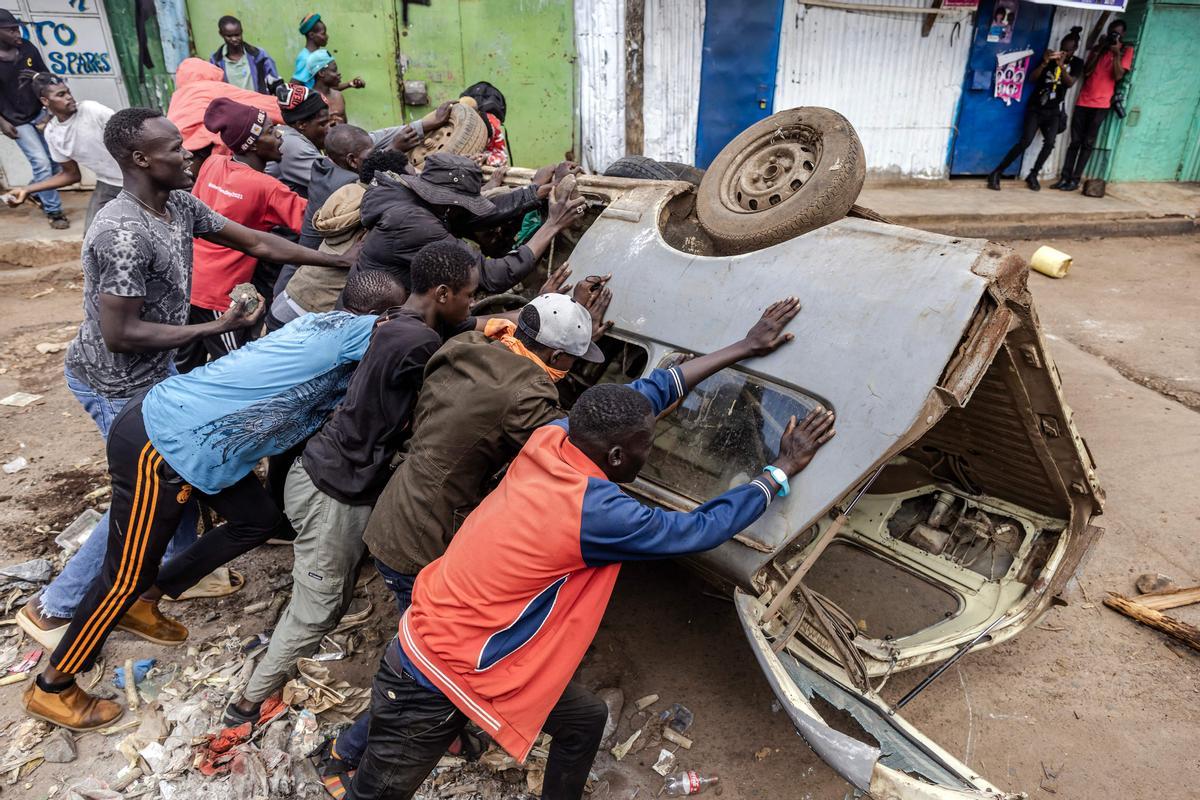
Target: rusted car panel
pixel 979 509
pixel 884 771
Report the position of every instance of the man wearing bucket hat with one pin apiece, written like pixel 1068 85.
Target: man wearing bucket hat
pixel 237 187
pixel 403 213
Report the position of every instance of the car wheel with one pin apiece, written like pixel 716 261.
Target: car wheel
pixel 684 172
pixel 783 176
pixel 464 134
pixel 641 167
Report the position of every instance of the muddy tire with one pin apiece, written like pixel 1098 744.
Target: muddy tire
pixel 783 176
pixel 640 167
pixel 684 172
pixel 465 134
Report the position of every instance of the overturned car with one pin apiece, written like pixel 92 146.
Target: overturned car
pixel 956 502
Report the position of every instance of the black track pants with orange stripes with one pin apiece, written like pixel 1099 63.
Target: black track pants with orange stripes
pixel 148 498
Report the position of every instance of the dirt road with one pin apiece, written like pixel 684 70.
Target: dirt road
pixel 1086 703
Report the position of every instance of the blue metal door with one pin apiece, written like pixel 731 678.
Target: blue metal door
pixel 987 127
pixel 737 71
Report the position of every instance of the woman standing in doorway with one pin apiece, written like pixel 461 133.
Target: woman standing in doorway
pixel 1051 79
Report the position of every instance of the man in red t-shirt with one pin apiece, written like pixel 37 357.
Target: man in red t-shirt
pixel 1107 63
pixel 237 187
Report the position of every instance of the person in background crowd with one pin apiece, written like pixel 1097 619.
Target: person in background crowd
pixel 203 432
pixel 74 136
pixel 337 228
pixel 197 84
pixel 245 66
pixel 490 103
pixel 1107 63
pixel 499 624
pixel 330 489
pixel 21 109
pixel 137 274
pixel 316 36
pixel 1053 76
pixel 321 73
pixel 403 213
pixel 307 118
pixel 237 188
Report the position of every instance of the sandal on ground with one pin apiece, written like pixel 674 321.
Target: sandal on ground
pixel 233 717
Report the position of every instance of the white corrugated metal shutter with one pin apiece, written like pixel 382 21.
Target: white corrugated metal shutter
pixel 1064 19
pixel 600 45
pixel 899 90
pixel 674 41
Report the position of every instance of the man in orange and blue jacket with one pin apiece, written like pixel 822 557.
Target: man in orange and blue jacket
pixel 499 624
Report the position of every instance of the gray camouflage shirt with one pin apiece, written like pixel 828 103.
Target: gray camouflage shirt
pixel 130 252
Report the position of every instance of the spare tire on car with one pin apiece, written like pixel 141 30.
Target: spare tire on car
pixel 783 176
pixel 464 134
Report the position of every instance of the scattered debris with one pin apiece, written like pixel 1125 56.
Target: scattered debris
pixel 1147 609
pixel 1153 582
pixel 27 662
pixel 33 571
pixel 139 669
pixel 678 718
pixel 643 703
pixel 96 494
pixel 59 748
pixel 762 753
pixel 621 750
pixel 256 607
pixel 677 738
pixel 16 465
pixel 306 735
pixel 665 763
pixel 75 534
pixel 314 690
pixel 46 348
pixel 614 699
pixel 92 789
pixel 20 399
pixel 42 293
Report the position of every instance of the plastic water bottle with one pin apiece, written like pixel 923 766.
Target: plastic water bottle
pixel 682 784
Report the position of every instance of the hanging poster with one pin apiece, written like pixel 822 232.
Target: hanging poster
pixel 1004 16
pixel 1010 75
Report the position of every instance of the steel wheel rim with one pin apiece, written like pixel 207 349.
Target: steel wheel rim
pixel 772 169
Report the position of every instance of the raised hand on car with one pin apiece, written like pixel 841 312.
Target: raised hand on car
pixel 556 281
pixel 596 304
pixel 801 441
pixel 767 334
pixel 563 211
pixel 406 139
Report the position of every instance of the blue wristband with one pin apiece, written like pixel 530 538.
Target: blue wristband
pixel 780 477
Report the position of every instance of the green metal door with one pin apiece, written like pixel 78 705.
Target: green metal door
pixel 526 49
pixel 1158 139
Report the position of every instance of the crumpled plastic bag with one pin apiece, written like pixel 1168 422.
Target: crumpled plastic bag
pixel 314 689
pixel 33 571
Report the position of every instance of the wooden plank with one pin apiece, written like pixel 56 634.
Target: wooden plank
pixel 1181 631
pixel 927 23
pixel 1173 598
pixel 635 128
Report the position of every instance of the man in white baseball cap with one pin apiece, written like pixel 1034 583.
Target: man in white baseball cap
pixel 483 396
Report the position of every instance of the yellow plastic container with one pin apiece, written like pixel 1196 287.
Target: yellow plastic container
pixel 1049 261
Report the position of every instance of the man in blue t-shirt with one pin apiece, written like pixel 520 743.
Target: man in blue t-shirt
pixel 205 430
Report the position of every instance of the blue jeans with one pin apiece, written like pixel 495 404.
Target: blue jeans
pixel 352 742
pixel 65 592
pixel 33 145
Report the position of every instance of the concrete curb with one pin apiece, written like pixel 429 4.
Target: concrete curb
pixel 1002 227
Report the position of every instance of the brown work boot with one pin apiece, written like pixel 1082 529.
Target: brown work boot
pixel 145 620
pixel 72 708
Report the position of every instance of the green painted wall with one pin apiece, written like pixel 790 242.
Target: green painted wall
pixel 1157 140
pixel 362 37
pixel 524 47
pixel 148 87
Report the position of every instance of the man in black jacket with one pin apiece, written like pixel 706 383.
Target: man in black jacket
pixel 403 213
